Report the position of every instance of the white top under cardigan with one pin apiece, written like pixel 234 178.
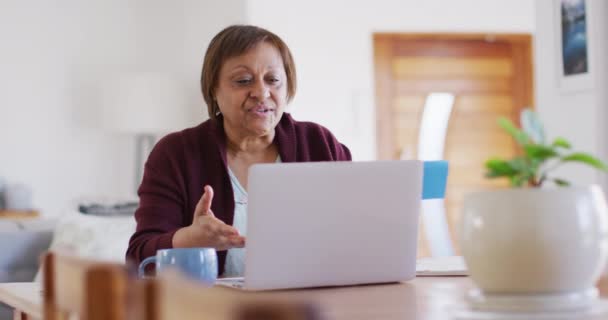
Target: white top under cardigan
pixel 235 259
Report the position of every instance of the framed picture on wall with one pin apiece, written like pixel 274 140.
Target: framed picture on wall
pixel 573 29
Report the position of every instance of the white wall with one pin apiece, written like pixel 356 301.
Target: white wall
pixel 55 57
pixel 332 44
pixel 602 82
pixel 579 116
pixel 51 57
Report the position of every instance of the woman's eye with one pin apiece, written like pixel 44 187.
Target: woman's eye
pixel 243 81
pixel 273 80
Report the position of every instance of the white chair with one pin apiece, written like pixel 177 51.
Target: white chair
pixel 431 143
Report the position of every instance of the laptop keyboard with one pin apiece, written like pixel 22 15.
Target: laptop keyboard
pixel 231 282
pixel 441 266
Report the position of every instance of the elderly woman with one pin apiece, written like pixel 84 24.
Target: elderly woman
pixel 194 189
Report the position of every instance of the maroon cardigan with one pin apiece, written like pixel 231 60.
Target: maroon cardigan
pixel 182 163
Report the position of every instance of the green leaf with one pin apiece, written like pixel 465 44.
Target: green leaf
pixel 526 170
pixel 586 159
pixel 518 181
pixel 520 164
pixel 532 166
pixel 561 182
pixel 562 143
pixel 536 162
pixel 532 126
pixel 540 152
pixel 519 171
pixel 499 168
pixel 519 136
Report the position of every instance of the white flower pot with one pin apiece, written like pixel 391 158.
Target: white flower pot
pixel 535 241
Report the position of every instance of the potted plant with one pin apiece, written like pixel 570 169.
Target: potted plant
pixel 542 244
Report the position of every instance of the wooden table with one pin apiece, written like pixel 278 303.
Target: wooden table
pixel 24 297
pixel 421 298
pixel 428 298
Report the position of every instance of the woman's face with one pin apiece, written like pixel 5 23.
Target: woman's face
pixel 252 91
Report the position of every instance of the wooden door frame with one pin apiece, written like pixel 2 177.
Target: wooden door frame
pixel 523 91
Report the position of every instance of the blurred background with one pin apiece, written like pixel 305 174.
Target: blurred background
pixel 74 113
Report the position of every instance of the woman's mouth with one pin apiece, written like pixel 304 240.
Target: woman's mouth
pixel 261 110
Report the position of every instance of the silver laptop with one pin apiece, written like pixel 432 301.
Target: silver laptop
pixel 322 224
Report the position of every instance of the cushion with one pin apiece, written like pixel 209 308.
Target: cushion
pixel 103 238
pixel 8 226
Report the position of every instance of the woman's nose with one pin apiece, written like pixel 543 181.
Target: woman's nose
pixel 260 90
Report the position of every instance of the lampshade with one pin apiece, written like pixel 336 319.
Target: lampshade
pixel 146 103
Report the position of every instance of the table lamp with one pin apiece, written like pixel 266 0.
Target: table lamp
pixel 145 104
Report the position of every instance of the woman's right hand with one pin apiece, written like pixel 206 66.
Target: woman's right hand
pixel 206 230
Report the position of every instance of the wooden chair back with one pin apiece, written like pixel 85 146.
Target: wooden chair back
pixel 94 290
pixel 89 289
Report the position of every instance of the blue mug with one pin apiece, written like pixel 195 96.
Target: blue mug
pixel 195 263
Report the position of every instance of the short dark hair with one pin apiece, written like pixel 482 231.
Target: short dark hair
pixel 233 41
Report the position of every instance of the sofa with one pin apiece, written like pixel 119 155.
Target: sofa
pixel 23 242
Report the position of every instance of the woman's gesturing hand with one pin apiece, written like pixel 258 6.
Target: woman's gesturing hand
pixel 206 230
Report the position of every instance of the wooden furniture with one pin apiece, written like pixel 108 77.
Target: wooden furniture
pixel 174 297
pixel 427 298
pixel 91 290
pixel 489 75
pixel 17 215
pixel 24 297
